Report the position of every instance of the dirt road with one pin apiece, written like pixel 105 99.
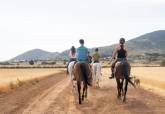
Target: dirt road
pixel 54 95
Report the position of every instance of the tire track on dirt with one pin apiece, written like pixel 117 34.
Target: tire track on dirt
pixel 43 101
pixel 57 97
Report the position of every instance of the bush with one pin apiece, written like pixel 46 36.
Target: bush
pixel 64 62
pixel 48 63
pixel 162 63
pixel 4 63
pixel 31 62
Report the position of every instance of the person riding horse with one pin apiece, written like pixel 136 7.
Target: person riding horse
pixel 82 54
pixel 82 71
pixel 96 68
pixel 121 52
pixel 96 56
pixel 72 56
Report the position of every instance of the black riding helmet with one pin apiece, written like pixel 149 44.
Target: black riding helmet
pixel 122 41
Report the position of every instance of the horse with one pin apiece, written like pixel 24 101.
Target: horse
pixel 70 70
pixel 122 73
pixel 82 73
pixel 96 74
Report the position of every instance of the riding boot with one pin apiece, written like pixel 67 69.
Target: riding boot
pixel 112 76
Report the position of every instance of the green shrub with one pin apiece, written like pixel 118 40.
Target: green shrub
pixel 31 62
pixel 64 62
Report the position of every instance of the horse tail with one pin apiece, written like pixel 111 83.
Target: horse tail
pixel 125 68
pixel 84 73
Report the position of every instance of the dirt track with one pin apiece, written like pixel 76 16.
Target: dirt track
pixel 54 95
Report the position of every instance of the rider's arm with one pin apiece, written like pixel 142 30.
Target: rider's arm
pixel 114 54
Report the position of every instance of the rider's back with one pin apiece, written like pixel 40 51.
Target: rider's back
pixel 82 53
pixel 96 57
pixel 121 53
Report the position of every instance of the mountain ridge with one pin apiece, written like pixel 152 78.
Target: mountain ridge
pixel 153 42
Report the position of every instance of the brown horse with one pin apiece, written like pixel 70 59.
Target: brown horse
pixel 82 73
pixel 122 73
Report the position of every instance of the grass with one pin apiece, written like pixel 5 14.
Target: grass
pixel 13 78
pixel 152 76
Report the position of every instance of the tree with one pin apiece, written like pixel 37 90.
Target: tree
pixel 31 62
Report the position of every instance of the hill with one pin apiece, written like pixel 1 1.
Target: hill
pixel 36 54
pixel 147 44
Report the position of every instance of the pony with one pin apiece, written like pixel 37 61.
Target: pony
pixel 96 74
pixel 122 73
pixel 82 73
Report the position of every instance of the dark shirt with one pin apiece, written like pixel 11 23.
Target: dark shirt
pixel 121 53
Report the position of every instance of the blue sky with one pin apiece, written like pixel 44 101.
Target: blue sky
pixel 56 25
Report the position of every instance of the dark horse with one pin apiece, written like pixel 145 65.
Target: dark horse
pixel 122 73
pixel 82 73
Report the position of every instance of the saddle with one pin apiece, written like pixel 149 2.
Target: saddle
pixel 123 67
pixel 89 71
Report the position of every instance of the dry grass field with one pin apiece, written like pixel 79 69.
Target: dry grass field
pixel 13 76
pixel 152 77
pixel 55 95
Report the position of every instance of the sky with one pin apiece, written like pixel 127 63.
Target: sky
pixel 56 25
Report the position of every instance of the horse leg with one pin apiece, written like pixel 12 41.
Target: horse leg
pixel 125 90
pixel 121 87
pixel 84 89
pixel 118 87
pixel 79 91
pixel 98 83
pixel 95 77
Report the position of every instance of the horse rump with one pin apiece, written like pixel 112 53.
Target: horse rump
pixel 85 73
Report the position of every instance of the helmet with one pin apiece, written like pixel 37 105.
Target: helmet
pixel 122 41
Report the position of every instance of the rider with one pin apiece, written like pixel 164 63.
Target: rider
pixel 82 52
pixel 121 52
pixel 72 56
pixel 82 55
pixel 96 56
pixel 89 57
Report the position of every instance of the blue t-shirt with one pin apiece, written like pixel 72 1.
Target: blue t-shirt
pixel 82 53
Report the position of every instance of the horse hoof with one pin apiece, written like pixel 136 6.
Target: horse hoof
pixel 124 100
pixel 119 97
